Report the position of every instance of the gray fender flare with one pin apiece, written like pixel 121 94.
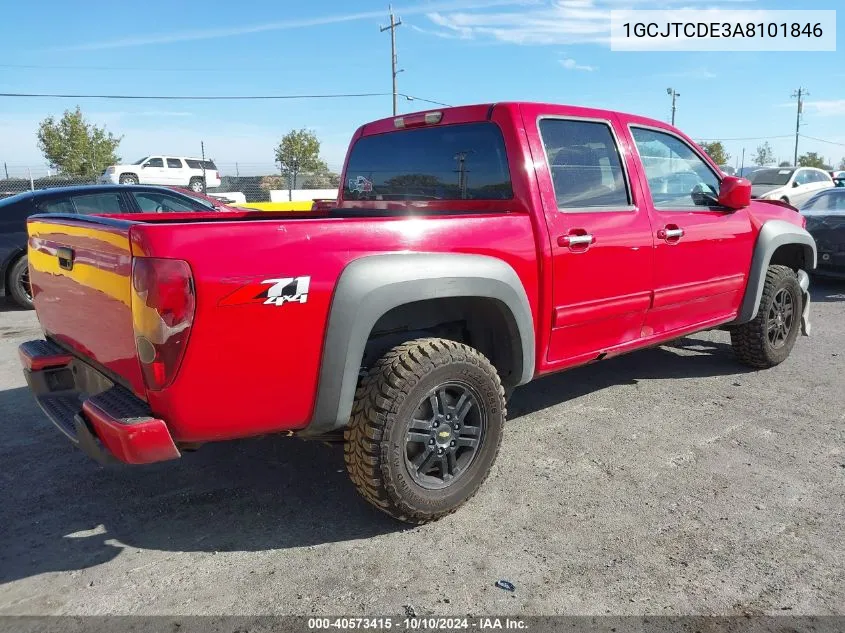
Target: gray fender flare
pixel 371 286
pixel 773 234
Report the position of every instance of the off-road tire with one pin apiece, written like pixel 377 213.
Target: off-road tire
pixel 750 340
pixel 196 185
pixel 128 179
pixel 386 400
pixel 17 274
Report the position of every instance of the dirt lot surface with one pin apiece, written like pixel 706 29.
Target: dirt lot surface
pixel 670 481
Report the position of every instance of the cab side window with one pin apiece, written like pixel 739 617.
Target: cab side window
pixel 154 162
pixel 585 165
pixel 678 178
pixel 99 203
pixel 803 177
pixel 56 205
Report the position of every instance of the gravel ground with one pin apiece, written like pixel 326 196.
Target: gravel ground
pixel 670 481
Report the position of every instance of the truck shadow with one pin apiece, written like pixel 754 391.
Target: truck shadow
pixel 65 513
pixel 683 358
pixel 826 289
pixel 7 305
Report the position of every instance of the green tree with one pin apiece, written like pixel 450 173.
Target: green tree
pixel 76 147
pixel 299 151
pixel 842 164
pixel 764 155
pixel 811 159
pixel 716 151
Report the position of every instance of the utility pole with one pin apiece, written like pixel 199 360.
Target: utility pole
pixel 800 94
pixel 394 22
pixel 202 149
pixel 743 161
pixel 671 92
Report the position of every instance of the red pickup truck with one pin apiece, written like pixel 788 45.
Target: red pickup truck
pixel 471 250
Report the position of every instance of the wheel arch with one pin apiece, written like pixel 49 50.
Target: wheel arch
pixel 378 292
pixel 779 242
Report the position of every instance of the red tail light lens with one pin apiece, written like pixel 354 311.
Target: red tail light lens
pixel 163 305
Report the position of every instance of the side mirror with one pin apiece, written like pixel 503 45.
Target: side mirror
pixel 795 183
pixel 735 192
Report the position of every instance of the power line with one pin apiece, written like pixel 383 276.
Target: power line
pixel 821 140
pixel 745 138
pixel 216 97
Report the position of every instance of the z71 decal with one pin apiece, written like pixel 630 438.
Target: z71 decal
pixel 271 292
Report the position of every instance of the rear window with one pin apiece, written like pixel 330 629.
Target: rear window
pixel 453 162
pixel 198 164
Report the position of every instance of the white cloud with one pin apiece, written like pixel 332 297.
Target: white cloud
pixel 224 32
pixel 571 64
pixel 550 23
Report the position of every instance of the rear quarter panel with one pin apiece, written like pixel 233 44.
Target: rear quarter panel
pixel 251 368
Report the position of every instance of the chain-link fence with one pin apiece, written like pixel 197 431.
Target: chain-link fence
pixel 251 182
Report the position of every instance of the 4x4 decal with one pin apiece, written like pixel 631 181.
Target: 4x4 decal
pixel 275 292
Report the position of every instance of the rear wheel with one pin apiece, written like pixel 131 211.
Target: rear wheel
pixel 425 429
pixel 128 179
pixel 19 288
pixel 196 185
pixel 767 340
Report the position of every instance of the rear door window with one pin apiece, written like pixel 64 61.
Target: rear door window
pixel 154 202
pixel 174 163
pixel 585 164
pixel 99 203
pixel 452 162
pixel 56 205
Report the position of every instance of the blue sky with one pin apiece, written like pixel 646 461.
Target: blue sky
pixel 464 51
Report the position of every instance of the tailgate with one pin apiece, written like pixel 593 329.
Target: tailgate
pixel 80 271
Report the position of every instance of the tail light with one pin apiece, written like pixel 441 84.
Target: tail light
pixel 163 306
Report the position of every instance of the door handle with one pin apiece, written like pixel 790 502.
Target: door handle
pixel 576 240
pixel 65 257
pixel 670 233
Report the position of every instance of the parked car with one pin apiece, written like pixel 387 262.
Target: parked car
pixel 838 178
pixel 825 213
pixel 165 170
pixel 471 250
pixel 85 200
pixel 218 203
pixel 793 185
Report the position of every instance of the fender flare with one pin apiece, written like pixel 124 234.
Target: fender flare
pixel 371 286
pixel 773 235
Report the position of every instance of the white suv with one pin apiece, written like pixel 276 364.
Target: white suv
pixel 165 170
pixel 793 185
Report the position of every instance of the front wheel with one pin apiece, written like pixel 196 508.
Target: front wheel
pixel 128 179
pixel 768 339
pixel 425 429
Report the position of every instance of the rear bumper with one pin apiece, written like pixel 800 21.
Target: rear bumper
pixel 105 420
